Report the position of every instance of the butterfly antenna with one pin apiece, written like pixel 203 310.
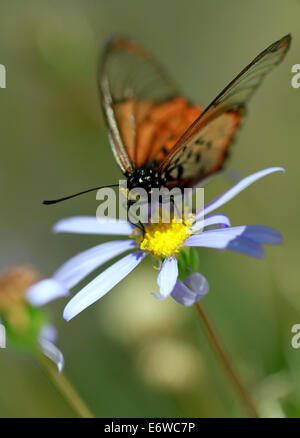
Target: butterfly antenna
pixel 55 201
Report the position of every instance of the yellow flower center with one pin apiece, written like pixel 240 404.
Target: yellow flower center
pixel 164 239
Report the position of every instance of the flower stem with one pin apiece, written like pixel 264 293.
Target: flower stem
pixel 66 389
pixel 224 359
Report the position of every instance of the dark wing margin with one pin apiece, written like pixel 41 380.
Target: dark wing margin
pixel 130 81
pixel 224 113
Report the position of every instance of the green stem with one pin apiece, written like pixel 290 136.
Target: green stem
pixel 224 359
pixel 66 389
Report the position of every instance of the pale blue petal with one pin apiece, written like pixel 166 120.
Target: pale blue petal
pixel 78 267
pixel 262 234
pixel 102 284
pixel 236 189
pixel 215 238
pixel 186 296
pixel 246 246
pixel 197 283
pixel 52 352
pixel 239 239
pixel 167 276
pixel 215 219
pixel 44 291
pixel 220 238
pixel 93 225
pixel 182 294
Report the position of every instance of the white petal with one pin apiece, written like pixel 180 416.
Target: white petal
pixel 236 189
pixel 167 276
pixel 44 291
pixel 102 284
pixel 52 352
pixel 78 267
pixel 93 225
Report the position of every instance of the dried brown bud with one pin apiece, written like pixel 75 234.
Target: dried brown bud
pixel 13 285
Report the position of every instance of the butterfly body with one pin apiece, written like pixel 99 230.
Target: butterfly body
pixel 146 178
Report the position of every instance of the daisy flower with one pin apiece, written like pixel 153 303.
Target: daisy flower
pixel 163 240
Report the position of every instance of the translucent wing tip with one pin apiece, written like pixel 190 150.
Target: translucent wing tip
pixel 286 40
pixel 115 42
pixel 121 42
pixel 283 44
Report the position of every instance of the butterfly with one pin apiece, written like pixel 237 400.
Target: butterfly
pixel 158 137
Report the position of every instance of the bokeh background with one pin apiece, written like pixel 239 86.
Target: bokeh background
pixel 129 355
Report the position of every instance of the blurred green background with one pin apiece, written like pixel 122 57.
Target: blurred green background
pixel 129 355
